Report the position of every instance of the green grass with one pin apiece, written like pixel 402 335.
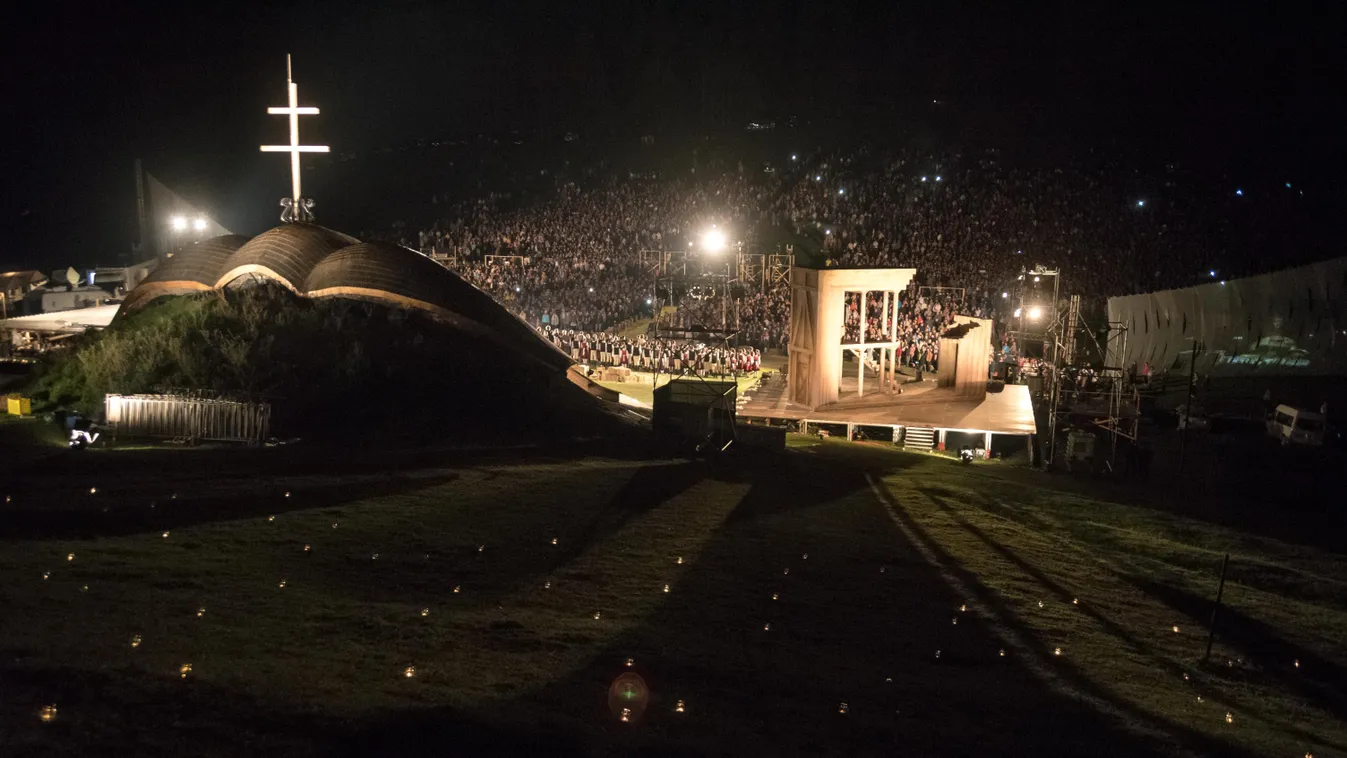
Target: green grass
pixel 509 664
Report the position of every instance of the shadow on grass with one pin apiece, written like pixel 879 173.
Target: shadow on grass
pixel 647 489
pixel 1006 616
pixel 140 713
pixel 1317 679
pixel 142 516
pixel 841 631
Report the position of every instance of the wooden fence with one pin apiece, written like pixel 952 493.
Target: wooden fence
pixel 174 416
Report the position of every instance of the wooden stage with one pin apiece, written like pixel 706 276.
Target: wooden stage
pixel 922 405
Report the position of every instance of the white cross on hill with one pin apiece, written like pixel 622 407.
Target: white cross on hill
pixel 294 148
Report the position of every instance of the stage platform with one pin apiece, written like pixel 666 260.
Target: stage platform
pixel 922 405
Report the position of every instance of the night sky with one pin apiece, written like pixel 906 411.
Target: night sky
pixel 1253 90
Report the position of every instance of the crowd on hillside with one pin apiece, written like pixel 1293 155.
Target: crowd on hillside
pixel 573 260
pixel 605 349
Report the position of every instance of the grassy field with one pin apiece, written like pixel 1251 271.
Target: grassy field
pixel 931 598
pixel 646 392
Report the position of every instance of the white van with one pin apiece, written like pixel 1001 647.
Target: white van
pixel 1294 426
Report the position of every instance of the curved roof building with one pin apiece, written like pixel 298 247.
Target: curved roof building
pixel 316 262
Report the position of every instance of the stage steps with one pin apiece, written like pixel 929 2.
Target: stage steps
pixel 918 438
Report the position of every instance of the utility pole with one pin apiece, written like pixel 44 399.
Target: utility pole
pixel 1187 417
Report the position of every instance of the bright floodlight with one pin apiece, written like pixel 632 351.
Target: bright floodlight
pixel 199 225
pixel 648 301
pixel 1034 313
pixel 713 241
pixel 1005 295
pixel 1213 273
pixel 841 192
pixel 179 223
pixel 1035 278
pixel 923 178
pixel 792 157
pixel 1239 192
pixel 1141 203
pixel 818 178
pixel 937 177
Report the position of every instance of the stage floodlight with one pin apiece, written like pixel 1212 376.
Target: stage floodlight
pixel 828 231
pixel 1035 278
pixel 818 178
pixel 199 224
pixel 1017 312
pixel 1005 295
pixel 1239 192
pixel 1035 313
pixel 841 191
pixel 792 157
pixel 937 177
pixel 648 301
pixel 179 223
pixel 923 178
pixel 1141 203
pixel 713 240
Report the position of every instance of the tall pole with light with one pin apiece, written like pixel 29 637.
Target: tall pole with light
pixel 176 225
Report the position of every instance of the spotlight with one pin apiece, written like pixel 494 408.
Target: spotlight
pixel 1239 192
pixel 713 241
pixel 199 225
pixel 179 223
pixel 937 177
pixel 792 157
pixel 1034 313
pixel 1017 313
pixel 1005 295
pixel 1212 273
pixel 818 178
pixel 648 301
pixel 841 192
pixel 923 178
pixel 1141 203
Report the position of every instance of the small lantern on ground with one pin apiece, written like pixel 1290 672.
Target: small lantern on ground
pixel 135 640
pixel 47 714
pixel 184 670
pixel 409 672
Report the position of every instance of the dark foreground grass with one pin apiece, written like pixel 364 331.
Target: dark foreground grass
pixel 839 574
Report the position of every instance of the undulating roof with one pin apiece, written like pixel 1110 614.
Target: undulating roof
pixel 316 262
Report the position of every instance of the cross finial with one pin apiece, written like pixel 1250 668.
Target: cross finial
pixel 297 206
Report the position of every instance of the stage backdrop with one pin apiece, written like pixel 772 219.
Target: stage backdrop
pixel 1291 322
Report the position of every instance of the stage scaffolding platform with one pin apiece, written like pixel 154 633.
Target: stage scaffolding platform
pixel 922 405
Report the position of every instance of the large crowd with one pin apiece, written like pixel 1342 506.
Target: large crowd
pixel 579 258
pixel 653 354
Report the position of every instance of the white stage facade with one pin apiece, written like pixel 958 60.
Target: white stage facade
pixel 835 382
